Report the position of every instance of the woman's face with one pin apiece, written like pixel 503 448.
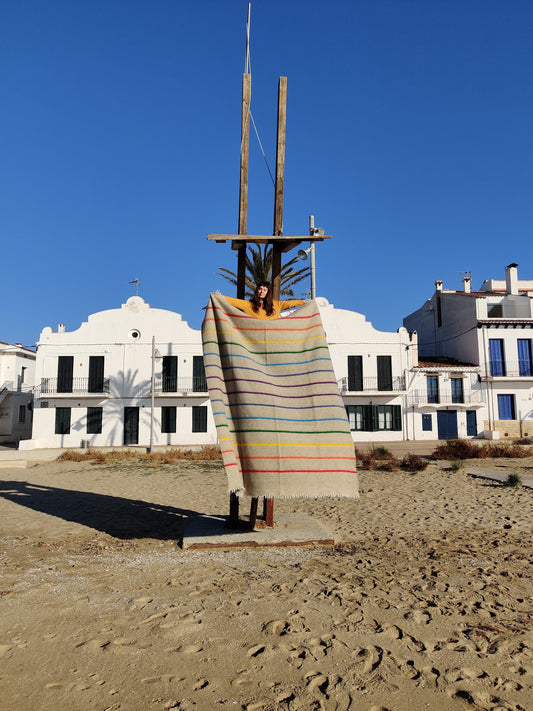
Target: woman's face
pixel 262 291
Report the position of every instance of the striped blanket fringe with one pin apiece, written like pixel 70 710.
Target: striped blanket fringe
pixel 280 419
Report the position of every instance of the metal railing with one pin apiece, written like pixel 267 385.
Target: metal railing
pixel 507 369
pixel 194 384
pixel 373 385
pixel 445 397
pixel 78 386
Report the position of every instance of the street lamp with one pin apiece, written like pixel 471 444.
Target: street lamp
pixel 156 355
pixel 302 253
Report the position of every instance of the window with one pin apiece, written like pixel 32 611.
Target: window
pixel 495 311
pixel 62 420
pixel 384 372
pixel 496 355
pixel 168 419
pixel 355 416
pixel 506 409
pixel 170 375
pixel 432 383
pixel 22 413
pixel 199 418
pixel 427 423
pixel 355 372
pixel 524 357
pixel 96 374
pixel 199 383
pixel 457 390
pixel 471 423
pixel 65 369
pixel 94 420
pixel 388 417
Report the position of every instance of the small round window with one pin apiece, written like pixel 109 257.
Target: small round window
pixel 134 334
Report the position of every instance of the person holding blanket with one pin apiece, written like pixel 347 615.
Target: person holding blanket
pixel 278 412
pixel 262 305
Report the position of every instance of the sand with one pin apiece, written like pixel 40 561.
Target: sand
pixel 425 602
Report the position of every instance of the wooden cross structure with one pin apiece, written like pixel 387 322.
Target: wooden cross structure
pixel 279 242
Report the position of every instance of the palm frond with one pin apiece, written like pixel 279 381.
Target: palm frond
pixel 258 265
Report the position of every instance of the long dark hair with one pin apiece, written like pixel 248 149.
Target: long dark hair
pixel 268 303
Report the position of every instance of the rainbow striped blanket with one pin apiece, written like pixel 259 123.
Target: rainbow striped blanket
pixel 280 419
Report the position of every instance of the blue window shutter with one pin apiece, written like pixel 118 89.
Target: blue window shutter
pixel 497 361
pixel 506 407
pixel 524 356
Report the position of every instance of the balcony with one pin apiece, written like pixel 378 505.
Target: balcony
pixel 371 385
pixel 517 369
pixel 420 398
pixel 75 386
pixel 168 387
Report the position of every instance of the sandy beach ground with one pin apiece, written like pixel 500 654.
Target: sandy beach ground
pixel 426 602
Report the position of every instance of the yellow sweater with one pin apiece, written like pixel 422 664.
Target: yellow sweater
pixel 279 306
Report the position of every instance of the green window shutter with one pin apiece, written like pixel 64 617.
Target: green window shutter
pixel 62 420
pixel 168 419
pixel 396 418
pixel 94 420
pixel 384 365
pixel 355 373
pixel 169 374
pixel 199 418
pixel 199 383
pixel 96 374
pixel 65 370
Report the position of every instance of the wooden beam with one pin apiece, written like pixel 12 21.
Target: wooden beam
pixel 280 156
pixel 245 152
pixel 243 184
pixel 265 239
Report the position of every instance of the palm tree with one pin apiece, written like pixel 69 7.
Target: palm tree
pixel 259 268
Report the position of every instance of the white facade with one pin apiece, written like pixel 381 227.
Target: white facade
pixel 372 368
pixel 17 373
pixel 94 385
pixel 491 329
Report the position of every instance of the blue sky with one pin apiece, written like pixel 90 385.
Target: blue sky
pixel 409 137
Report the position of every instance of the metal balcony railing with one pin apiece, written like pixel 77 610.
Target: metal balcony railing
pixel 373 385
pixel 507 369
pixel 444 397
pixel 77 386
pixel 166 385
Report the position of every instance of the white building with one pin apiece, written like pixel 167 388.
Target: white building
pixel 372 368
pixel 94 384
pixel 17 373
pixel 490 332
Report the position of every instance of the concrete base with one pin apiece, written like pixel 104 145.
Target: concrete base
pixel 295 529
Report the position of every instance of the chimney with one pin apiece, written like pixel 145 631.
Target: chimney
pixel 438 285
pixel 61 328
pixel 511 279
pixel 467 284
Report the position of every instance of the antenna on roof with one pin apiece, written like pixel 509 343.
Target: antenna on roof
pixel 136 281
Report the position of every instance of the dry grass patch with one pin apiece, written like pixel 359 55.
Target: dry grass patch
pixel 124 456
pixel 455 449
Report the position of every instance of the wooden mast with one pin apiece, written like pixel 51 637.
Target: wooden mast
pixel 278 242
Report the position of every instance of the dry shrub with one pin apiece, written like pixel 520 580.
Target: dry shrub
pixel 413 463
pixel 377 459
pixel 458 449
pixel 465 449
pixel 71 455
pixel 507 450
pixel 114 456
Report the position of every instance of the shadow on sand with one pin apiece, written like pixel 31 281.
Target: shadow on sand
pixel 117 516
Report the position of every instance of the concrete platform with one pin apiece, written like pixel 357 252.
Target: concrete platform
pixel 501 476
pixel 296 529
